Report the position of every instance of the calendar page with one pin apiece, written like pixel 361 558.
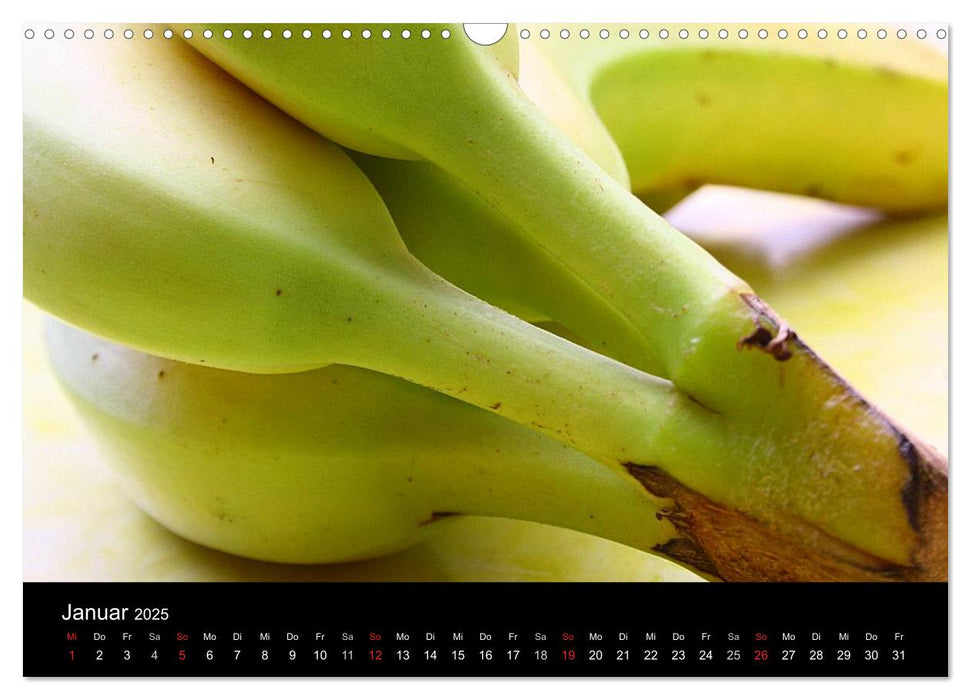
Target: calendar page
pixel 636 335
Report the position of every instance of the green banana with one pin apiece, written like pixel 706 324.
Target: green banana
pixel 331 465
pixel 785 114
pixel 101 535
pixel 281 257
pixel 490 256
pixel 559 77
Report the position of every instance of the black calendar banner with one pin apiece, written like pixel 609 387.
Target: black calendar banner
pixel 475 629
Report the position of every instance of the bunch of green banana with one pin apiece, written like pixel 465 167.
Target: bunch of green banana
pixel 168 208
pixel 141 419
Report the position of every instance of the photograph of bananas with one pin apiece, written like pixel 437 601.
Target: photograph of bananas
pixel 591 302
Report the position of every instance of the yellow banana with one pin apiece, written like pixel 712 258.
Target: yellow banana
pixel 859 121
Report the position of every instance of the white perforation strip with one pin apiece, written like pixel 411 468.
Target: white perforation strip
pixel 583 33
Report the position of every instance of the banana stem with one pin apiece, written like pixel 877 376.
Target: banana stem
pixel 664 284
pixel 481 355
pixel 878 516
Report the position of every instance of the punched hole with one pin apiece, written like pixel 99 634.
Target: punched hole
pixel 488 34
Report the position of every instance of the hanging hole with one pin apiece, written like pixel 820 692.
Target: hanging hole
pixel 485 34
